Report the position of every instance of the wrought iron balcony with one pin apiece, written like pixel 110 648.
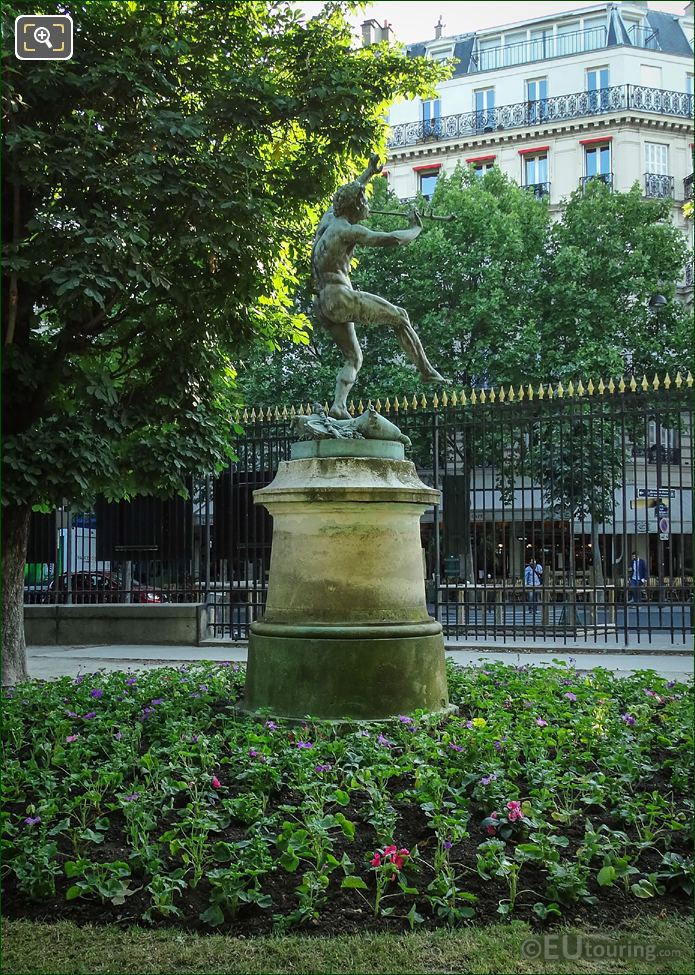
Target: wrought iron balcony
pixel 538 49
pixel 688 276
pixel 606 178
pixel 688 187
pixel 644 37
pixel 559 108
pixel 658 186
pixel 539 190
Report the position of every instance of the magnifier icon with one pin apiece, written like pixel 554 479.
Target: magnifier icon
pixel 42 35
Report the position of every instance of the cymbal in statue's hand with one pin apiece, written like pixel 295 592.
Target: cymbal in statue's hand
pixel 375 166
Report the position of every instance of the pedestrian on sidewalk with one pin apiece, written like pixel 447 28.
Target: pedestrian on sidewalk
pixel 638 579
pixel 533 580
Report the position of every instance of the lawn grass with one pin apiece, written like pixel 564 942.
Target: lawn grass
pixel 37 948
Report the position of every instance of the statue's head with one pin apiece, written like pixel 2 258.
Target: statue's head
pixel 350 201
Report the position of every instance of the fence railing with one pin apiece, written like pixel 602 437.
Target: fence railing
pixel 658 186
pixel 577 477
pixel 559 108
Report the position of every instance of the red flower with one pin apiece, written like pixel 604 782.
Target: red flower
pixel 216 784
pixel 376 860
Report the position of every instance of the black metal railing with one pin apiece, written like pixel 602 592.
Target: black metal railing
pixel 644 37
pixel 688 275
pixel 658 186
pixel 688 187
pixel 559 108
pixel 570 478
pixel 538 49
pixel 539 190
pixel 606 178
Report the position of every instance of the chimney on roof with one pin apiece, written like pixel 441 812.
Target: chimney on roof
pixel 369 28
pixel 438 28
pixel 386 32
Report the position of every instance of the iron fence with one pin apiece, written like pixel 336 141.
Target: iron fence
pixel 658 185
pixel 558 108
pixel 594 483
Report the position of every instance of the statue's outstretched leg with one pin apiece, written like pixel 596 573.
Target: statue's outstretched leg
pixel 373 310
pixel 345 338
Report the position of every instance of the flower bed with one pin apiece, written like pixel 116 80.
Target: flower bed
pixel 149 799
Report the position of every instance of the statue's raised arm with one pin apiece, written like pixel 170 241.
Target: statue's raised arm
pixel 337 305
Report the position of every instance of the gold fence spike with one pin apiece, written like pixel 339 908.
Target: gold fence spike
pixel 601 386
pixel 655 381
pixel 377 406
pixel 560 391
pixel 492 395
pixel 570 388
pixel 284 414
pixel 521 392
pixel 529 391
pixel 633 385
pixel 541 391
pixel 369 404
pixel 276 413
pixel 395 404
pixel 435 401
pixel 445 399
pixel 502 395
pixel 463 398
pixel 590 388
pixel 293 412
pixel 679 380
pixel 325 407
pixel 245 416
pixel 611 385
pixel 580 388
pixel 621 385
pixel 483 397
pixel 645 383
pixel 689 379
pixel 510 395
pixel 404 404
pixel 423 402
pixel 414 402
pixel 667 381
pixel 351 407
pixel 360 407
pixel 387 405
pixel 300 411
pixel 254 415
pixel 454 399
pixel 474 397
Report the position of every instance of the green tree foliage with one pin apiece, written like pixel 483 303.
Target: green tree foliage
pixel 160 192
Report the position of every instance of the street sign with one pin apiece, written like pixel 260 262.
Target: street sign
pixel 656 492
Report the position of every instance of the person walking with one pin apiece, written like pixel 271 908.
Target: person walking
pixel 637 579
pixel 533 580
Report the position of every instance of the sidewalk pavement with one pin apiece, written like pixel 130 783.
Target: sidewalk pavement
pixel 52 661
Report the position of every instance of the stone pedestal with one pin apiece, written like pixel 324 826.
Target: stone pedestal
pixel 346 633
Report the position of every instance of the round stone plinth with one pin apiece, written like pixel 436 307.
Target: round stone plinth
pixel 365 673
pixel 388 449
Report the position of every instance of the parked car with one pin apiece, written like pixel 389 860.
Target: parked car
pixel 99 587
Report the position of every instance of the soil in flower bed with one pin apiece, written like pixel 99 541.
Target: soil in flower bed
pixel 552 796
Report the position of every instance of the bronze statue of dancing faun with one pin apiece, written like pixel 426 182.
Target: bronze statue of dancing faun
pixel 338 306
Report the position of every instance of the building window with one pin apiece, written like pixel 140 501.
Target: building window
pixel 432 117
pixel 594 33
pixel 689 83
pixel 489 53
pixel 536 174
pixel 515 50
pixel 567 36
pixel 657 182
pixel 597 82
pixel 484 108
pixel 597 163
pixel 427 181
pixel 537 100
pixel 541 44
pixel 481 165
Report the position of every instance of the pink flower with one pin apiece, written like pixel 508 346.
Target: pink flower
pixel 570 696
pixel 514 811
pixel 376 860
pixel 541 723
pixel 71 738
pixel 216 784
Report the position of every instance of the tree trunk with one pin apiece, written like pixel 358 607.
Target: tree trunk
pixel 15 534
